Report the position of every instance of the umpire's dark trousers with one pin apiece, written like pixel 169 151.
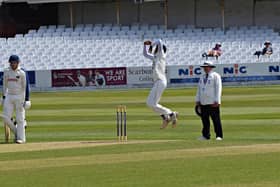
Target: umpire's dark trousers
pixel 208 111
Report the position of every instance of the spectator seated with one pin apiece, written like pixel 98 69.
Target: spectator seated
pixel 214 52
pixel 267 50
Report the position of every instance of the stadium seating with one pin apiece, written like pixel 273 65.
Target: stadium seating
pixel 109 45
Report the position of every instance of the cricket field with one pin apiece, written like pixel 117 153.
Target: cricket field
pixel 72 142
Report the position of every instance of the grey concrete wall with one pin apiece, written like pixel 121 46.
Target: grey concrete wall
pixel 268 13
pixel 152 13
pixel 63 14
pixel 181 12
pixel 99 13
pixel 237 13
pixel 208 13
pixel 128 12
pixel 87 13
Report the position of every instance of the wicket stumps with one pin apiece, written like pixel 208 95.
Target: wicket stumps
pixel 121 123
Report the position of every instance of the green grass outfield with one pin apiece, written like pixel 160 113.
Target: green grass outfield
pixel 72 142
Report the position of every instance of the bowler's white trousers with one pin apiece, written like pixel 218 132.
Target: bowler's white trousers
pixel 154 98
pixel 11 103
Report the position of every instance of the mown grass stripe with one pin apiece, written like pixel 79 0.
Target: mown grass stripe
pixel 138 157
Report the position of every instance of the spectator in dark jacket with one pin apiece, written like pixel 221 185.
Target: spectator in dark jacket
pixel 267 50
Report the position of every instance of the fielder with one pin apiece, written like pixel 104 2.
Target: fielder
pixel 15 97
pixel 156 52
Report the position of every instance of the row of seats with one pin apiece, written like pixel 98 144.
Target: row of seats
pixel 109 29
pixel 48 48
pixel 121 34
pixel 146 27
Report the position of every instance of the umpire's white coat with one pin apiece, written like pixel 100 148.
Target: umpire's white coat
pixel 210 92
pixel 159 77
pixel 14 87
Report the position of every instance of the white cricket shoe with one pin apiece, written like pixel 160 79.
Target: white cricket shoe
pixel 174 119
pixel 20 142
pixel 165 122
pixel 219 138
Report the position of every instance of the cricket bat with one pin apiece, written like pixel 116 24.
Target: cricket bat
pixel 69 77
pixel 7 133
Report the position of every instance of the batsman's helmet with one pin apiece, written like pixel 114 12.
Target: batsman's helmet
pixel 14 58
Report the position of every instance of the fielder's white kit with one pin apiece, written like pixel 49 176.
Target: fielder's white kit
pixel 14 94
pixel 159 77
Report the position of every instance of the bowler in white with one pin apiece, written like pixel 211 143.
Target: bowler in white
pixel 156 51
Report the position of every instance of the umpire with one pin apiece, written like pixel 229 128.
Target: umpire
pixel 208 98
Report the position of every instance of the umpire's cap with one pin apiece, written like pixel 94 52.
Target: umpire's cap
pixel 208 64
pixel 14 58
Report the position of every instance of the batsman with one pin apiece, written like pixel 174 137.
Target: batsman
pixel 15 97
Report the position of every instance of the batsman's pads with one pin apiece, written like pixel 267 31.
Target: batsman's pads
pixel 27 105
pixel 2 101
pixel 197 110
pixel 8 121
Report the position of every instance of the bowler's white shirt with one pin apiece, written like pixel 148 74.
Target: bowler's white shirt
pixel 159 61
pixel 14 82
pixel 211 91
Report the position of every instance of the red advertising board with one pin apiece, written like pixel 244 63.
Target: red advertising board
pixel 89 77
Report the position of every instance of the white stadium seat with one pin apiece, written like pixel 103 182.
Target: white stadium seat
pixel 85 46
